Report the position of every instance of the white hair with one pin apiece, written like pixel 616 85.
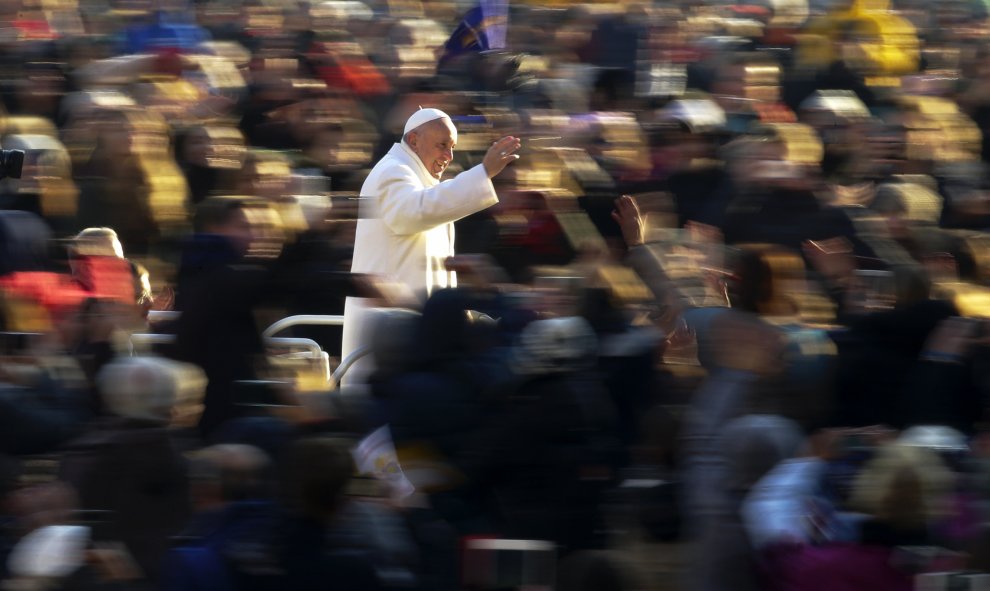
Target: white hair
pixel 149 387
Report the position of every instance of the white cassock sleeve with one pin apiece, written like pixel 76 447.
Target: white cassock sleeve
pixel 406 209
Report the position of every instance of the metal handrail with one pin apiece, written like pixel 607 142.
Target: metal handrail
pixel 146 338
pixel 150 338
pixel 314 348
pixel 163 315
pixel 348 361
pixel 303 319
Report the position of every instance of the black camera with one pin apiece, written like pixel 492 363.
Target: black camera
pixel 11 163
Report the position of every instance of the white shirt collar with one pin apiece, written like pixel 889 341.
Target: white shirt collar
pixel 428 179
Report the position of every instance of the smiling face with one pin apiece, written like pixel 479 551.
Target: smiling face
pixel 434 143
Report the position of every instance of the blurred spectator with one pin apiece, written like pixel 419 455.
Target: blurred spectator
pixel 228 543
pixel 168 28
pixel 48 545
pixel 747 86
pixel 38 90
pixel 130 182
pixel 316 256
pixel 560 414
pixel 217 291
pixel 96 259
pixel 786 208
pixel 684 139
pixel 344 65
pixel 888 341
pixel 435 396
pixel 750 446
pixel 614 47
pixel 900 494
pixel 945 386
pixel 129 464
pixel 45 187
pixel 339 151
pixel 28 276
pixel 268 177
pixel 39 409
pixel 595 571
pixel 534 235
pixel 626 357
pixel 209 157
pixel 841 120
pixel 330 537
pixel 855 239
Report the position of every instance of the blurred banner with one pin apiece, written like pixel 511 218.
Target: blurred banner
pixel 375 456
pixel 482 29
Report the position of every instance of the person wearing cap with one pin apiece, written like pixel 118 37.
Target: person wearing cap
pixel 405 231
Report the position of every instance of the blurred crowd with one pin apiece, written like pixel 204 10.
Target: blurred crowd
pixel 733 301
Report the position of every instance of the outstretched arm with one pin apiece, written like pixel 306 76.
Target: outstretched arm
pixel 646 263
pixel 408 208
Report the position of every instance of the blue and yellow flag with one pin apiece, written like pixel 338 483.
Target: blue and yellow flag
pixel 483 28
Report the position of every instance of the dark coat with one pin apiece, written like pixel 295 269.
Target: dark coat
pixel 217 331
pixel 786 218
pixel 547 458
pixel 312 561
pixel 133 470
pixel 38 420
pixel 877 357
pixel 226 549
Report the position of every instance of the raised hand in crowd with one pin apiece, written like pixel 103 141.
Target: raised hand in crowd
pixel 627 215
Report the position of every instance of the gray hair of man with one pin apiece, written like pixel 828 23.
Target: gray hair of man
pixel 152 389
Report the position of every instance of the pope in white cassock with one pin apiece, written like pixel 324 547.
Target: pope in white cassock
pixel 406 231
